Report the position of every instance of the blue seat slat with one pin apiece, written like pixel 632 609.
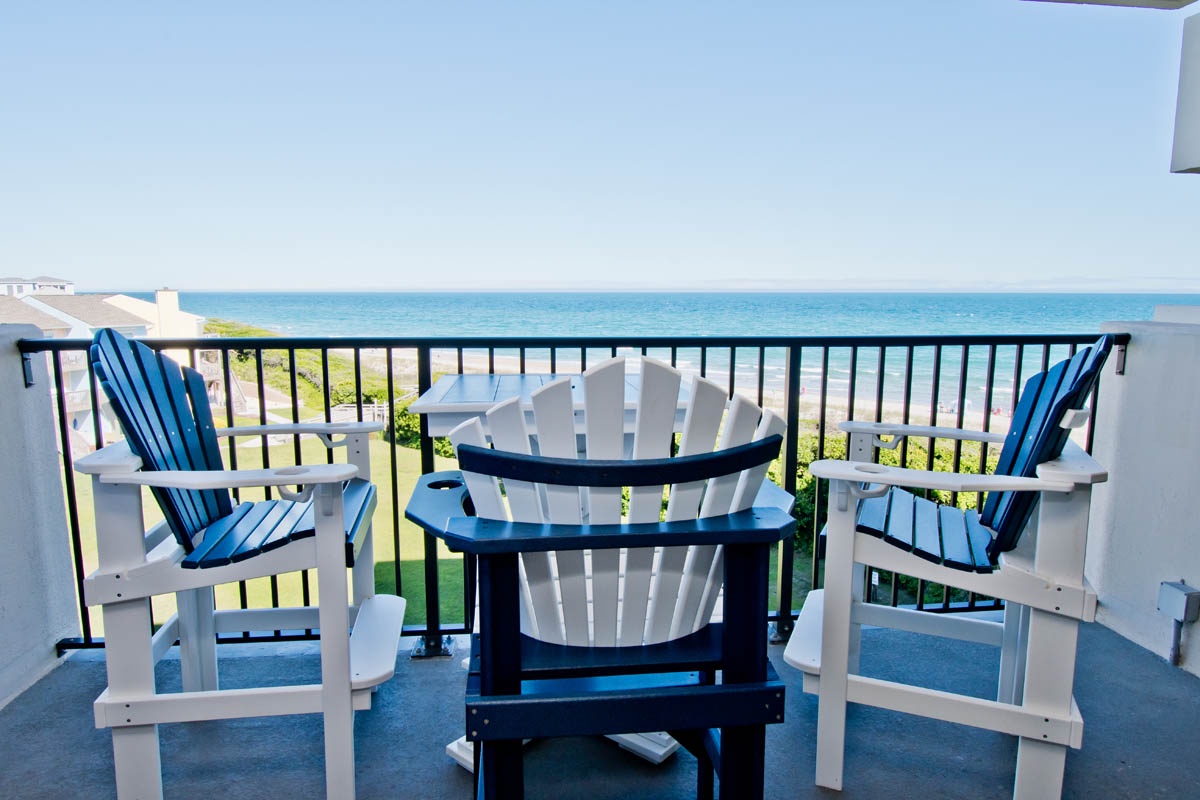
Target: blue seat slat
pixel 873 514
pixel 978 539
pixel 355 493
pixel 942 534
pixel 927 540
pixel 270 537
pixel 358 502
pixel 956 549
pixel 899 530
pixel 255 528
pixel 244 536
pixel 225 536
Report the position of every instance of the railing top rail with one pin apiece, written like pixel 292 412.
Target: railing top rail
pixel 516 342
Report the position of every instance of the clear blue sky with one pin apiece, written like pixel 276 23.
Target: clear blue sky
pixel 402 145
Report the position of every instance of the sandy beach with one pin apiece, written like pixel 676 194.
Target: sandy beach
pixel 404 365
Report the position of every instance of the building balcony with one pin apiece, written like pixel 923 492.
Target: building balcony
pixel 1141 718
pixel 1140 712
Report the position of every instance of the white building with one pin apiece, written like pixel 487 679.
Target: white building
pixel 52 305
pixel 21 287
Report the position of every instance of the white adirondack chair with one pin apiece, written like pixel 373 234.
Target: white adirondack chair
pixel 206 541
pixel 628 597
pixel 1039 575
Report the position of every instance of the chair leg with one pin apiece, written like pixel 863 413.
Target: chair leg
pixel 742 762
pixel 501 773
pixel 197 640
pixel 835 638
pixel 857 584
pixel 334 619
pixel 127 654
pixel 1049 679
pixel 1012 655
pixel 704 779
pixel 363 574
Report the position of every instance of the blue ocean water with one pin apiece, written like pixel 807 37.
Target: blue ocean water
pixel 502 314
pixel 662 313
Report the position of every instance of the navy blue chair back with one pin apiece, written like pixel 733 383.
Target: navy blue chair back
pixel 164 411
pixel 1036 436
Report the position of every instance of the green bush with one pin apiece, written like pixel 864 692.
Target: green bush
pixel 812 497
pixel 407 432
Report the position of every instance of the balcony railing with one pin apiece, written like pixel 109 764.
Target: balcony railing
pixel 815 382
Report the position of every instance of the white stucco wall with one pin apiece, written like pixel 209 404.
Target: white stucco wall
pixel 1171 313
pixel 1144 528
pixel 1185 154
pixel 37 598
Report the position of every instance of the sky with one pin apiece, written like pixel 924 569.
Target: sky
pixel 798 145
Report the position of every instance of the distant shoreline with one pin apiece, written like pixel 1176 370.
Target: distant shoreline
pixel 1192 292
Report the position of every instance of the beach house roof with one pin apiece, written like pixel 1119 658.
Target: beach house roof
pixel 92 310
pixel 15 311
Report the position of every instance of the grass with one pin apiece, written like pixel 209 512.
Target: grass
pixel 390 531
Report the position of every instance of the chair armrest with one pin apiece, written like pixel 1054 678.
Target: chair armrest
pixel 110 459
pixel 439 500
pixel 867 472
pixel 323 429
pixel 493 537
pixel 1075 465
pixel 437 497
pixel 772 496
pixel 116 464
pixel 901 430
pixel 236 479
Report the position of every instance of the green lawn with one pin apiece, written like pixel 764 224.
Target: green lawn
pixel 389 528
pixel 289 589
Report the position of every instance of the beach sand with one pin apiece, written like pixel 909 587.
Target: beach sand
pixel 404 366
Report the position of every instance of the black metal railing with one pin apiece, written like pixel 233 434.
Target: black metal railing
pixel 815 382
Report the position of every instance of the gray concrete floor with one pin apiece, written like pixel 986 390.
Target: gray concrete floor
pixel 1140 737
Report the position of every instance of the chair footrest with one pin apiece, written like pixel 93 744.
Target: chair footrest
pixel 375 640
pixel 634 702
pixel 803 649
pixel 653 747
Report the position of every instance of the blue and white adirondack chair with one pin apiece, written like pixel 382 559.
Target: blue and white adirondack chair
pixel 171 445
pixel 588 591
pixel 1039 576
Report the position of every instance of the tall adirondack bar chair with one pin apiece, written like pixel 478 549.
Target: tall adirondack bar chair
pixel 595 621
pixel 1038 575
pixel 207 539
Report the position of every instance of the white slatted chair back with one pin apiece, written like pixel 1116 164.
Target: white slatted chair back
pixel 630 596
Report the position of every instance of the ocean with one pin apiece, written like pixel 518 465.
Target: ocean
pixel 669 313
pixel 501 314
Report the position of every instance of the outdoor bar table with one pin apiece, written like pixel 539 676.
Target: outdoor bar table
pixel 453 399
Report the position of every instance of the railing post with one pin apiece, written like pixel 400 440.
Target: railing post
pixel 432 643
pixel 786 568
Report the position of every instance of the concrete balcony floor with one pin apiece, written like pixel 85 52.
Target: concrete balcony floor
pixel 1141 722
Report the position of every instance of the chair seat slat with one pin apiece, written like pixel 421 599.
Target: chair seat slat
pixel 926 538
pixel 257 527
pixel 956 547
pixel 226 537
pixel 941 534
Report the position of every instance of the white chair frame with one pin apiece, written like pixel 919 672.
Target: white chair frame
pixel 1041 582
